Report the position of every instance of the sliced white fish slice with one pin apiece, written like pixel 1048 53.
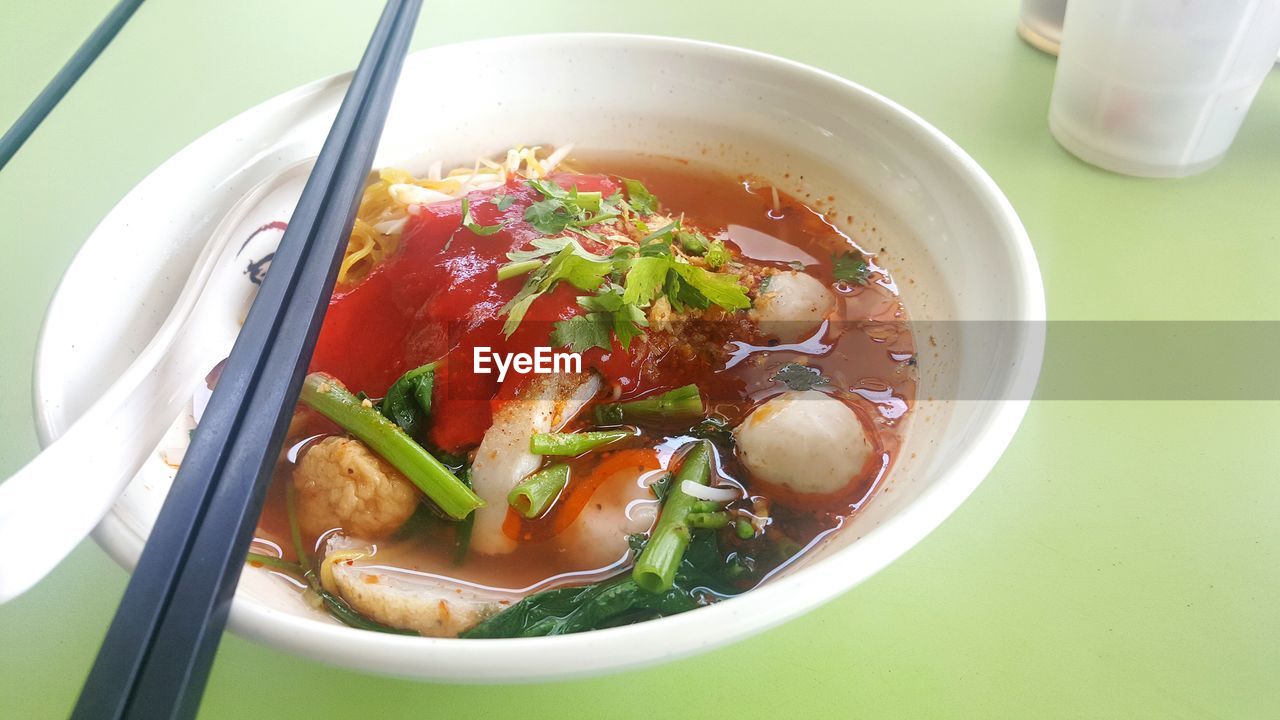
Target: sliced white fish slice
pixel 503 458
pixel 428 605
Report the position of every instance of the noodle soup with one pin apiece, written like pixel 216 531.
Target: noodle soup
pixel 742 386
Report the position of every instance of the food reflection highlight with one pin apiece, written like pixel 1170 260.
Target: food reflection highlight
pixel 733 398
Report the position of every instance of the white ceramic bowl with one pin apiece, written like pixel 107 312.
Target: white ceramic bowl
pixel 953 243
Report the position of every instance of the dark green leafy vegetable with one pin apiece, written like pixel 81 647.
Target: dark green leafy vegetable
pixel 704 574
pixel 850 267
pixel 682 403
pixel 799 377
pixel 408 401
pixel 578 609
pixel 660 486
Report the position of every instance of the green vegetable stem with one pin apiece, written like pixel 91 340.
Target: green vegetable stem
pixel 656 567
pixel 683 403
pixel 571 444
pixel 535 494
pixel 384 437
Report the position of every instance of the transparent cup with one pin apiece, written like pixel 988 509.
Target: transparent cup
pixel 1159 88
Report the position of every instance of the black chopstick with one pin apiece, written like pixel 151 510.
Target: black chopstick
pixel 84 56
pixel 156 656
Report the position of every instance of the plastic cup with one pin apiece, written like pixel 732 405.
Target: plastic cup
pixel 1040 23
pixel 1158 88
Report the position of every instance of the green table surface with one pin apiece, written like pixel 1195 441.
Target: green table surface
pixel 1119 562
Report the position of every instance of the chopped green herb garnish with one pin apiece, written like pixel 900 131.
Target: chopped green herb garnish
pixel 503 201
pixel 571 264
pixel 630 279
pixel 693 242
pixel 850 267
pixel 639 197
pixel 561 209
pixel 799 377
pixel 723 289
pixel 717 255
pixel 470 223
pixel 645 279
pixel 607 314
pixel 580 333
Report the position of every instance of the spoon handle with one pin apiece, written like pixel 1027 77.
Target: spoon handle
pixel 56 500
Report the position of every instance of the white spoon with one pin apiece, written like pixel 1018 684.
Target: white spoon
pixel 56 500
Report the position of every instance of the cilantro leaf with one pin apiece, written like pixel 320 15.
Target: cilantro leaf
pixel 581 272
pixel 571 264
pixel 799 377
pixel 518 306
pixel 572 209
pixel 470 223
pixel 548 216
pixel 624 319
pixel 582 332
pixel 639 197
pixel 723 289
pixel 682 295
pixel 850 267
pixel 503 201
pixel 629 323
pixel 645 279
pixel 607 300
pixel 549 189
pixel 544 247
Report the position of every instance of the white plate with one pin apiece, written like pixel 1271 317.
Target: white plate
pixel 953 243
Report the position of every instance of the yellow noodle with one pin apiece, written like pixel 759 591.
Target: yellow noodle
pixel 368 247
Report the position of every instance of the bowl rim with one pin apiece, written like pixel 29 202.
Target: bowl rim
pixel 580 655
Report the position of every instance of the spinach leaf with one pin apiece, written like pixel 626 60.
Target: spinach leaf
pixel 620 600
pixel 408 402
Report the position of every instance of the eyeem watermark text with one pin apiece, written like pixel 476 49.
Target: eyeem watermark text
pixel 542 361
